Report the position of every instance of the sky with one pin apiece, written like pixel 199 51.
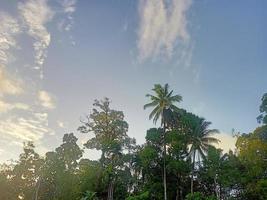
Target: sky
pixel 57 56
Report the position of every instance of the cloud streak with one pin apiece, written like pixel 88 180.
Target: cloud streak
pixel 69 7
pixel 36 14
pixel 9 29
pixel 27 119
pixel 9 85
pixel 30 128
pixel 162 25
pixel 5 106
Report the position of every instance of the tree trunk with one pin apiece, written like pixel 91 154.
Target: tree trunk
pixel 110 190
pixel 164 162
pixel 193 170
pixel 217 188
pixel 179 190
pixel 37 189
pixel 177 194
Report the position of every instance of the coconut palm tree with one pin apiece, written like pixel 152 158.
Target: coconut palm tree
pixel 200 140
pixel 162 102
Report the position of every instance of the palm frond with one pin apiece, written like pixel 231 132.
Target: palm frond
pixel 176 98
pixel 153 113
pixel 153 103
pixel 212 131
pixel 201 153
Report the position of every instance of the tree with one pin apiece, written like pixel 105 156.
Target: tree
pixel 212 171
pixel 69 152
pixel 162 102
pixel 178 167
pixel 92 178
pixel 262 118
pixel 26 172
pixel 149 159
pixel 110 137
pixel 6 186
pixel 252 153
pixel 58 179
pixel 200 140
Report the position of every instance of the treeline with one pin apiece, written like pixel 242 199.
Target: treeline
pixel 178 161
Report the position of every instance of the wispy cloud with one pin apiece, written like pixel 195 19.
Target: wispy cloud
pixel 30 128
pixel 20 121
pixel 46 99
pixel 163 24
pixel 9 85
pixel 5 106
pixel 68 8
pixel 8 31
pixel 36 14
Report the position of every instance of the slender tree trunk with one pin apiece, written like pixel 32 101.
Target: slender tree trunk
pixel 178 188
pixel 164 161
pixel 37 189
pixel 193 170
pixel 110 191
pixel 164 171
pixel 181 193
pixel 217 187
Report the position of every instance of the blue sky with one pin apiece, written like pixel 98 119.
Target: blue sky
pixel 56 57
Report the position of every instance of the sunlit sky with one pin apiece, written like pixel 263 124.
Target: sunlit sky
pixel 57 56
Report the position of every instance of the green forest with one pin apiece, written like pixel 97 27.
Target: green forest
pixel 178 161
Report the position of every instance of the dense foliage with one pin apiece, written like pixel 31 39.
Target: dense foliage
pixel 178 161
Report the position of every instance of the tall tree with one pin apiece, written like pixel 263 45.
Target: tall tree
pixel 262 118
pixel 200 141
pixel 26 172
pixel 177 164
pixel 252 152
pixel 58 178
pixel 110 137
pixel 162 102
pixel 69 152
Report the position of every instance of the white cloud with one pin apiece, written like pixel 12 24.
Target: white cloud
pixel 5 106
pixel 227 142
pixel 8 84
pixel 36 14
pixel 162 24
pixel 25 129
pixel 46 100
pixel 68 8
pixel 8 30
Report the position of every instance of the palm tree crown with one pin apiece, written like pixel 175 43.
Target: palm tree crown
pixel 162 101
pixel 201 138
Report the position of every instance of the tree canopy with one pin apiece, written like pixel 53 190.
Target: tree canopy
pixel 164 166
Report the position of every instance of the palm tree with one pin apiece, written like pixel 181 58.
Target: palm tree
pixel 162 102
pixel 200 140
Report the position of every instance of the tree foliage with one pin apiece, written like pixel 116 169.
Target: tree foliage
pixel 129 171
